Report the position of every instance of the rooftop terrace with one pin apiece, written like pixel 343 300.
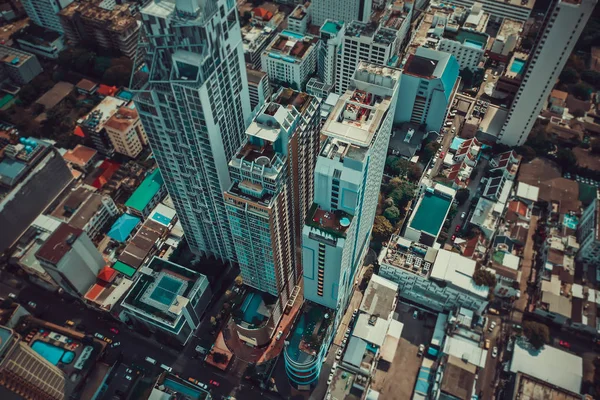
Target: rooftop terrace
pixel 309 331
pixel 335 222
pixel 430 212
pixel 412 257
pixel 290 46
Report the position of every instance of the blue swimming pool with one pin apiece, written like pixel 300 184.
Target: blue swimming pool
pixel 192 393
pixel 250 307
pixel 53 353
pixel 517 66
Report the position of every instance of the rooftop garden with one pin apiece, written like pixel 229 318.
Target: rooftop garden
pixel 334 222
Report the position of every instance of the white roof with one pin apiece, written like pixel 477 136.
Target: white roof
pixel 458 270
pixel 465 349
pixel 332 99
pixel 390 344
pixel 527 192
pixel 511 261
pixel 549 364
pixel 379 297
pixel 374 334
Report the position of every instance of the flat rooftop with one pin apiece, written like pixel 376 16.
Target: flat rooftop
pixel 335 222
pixel 100 115
pixel 312 322
pixel 290 46
pixel 379 297
pixel 410 256
pixel 509 27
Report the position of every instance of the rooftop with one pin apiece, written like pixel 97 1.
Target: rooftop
pixel 86 85
pixel 527 387
pixel 291 47
pixel 123 119
pixel 332 27
pixel 144 194
pixel 299 12
pixel 335 222
pixel 58 244
pixel 457 270
pixel 123 227
pixel 163 290
pixel 119 19
pixel 548 364
pixel 13 57
pixel 380 297
pixel 253 37
pixel 255 76
pixel 411 256
pixel 466 350
pixel 37 35
pixel 55 95
pixel 80 156
pixel 140 246
pixel 485 214
pixel 457 381
pixel 98 117
pixel 309 331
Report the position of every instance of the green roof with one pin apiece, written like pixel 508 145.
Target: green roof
pixel 124 268
pixel 6 99
pixel 146 191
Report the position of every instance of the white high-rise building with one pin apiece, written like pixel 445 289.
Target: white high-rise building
pixel 45 12
pixel 193 101
pixel 332 37
pixel 348 175
pixel 346 10
pixel 563 24
pixel 377 42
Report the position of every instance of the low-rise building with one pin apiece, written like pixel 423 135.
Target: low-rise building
pixel 21 67
pixel 406 140
pixel 40 41
pixel 150 192
pixel 93 124
pixel 436 279
pixel 506 39
pixel 506 163
pixel 126 132
pixel 81 157
pixel 169 298
pixel 107 291
pixel 291 59
pixel 71 259
pixel 486 216
pixel 83 208
pixel 299 19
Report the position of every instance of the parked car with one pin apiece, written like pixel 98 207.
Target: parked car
pixel 114 330
pixel 494 352
pixel 12 295
pixel 493 311
pixel 463 215
pixel 99 336
pixel 453 238
pixel 457 228
pixel 416 314
pixel 32 304
pixel 214 383
pixel 487 344
pixel 117 344
pixel 338 354
pixel 69 323
pixel 565 344
pixel 421 350
pixel 107 340
pixel 492 326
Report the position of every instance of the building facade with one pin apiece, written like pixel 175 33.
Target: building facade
pixel 519 10
pixel 350 10
pixel 588 235
pixel 427 88
pixel 562 26
pixel 114 29
pixel 194 105
pixel 271 192
pixel 259 88
pixel 348 175
pixel 299 19
pixel 332 37
pixel 21 67
pixel 126 132
pixel 291 59
pixel 71 259
pixel 44 12
pixel 25 372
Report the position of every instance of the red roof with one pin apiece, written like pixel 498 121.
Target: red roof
pixel 518 207
pixel 455 170
pixel 105 90
pixel 107 274
pixel 58 244
pixel 78 132
pixel 108 168
pixel 265 15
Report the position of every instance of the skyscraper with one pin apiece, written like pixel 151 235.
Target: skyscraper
pixel 332 37
pixel 346 185
pixel 27 373
pixel 563 24
pixel 44 12
pixel 193 101
pixel 272 191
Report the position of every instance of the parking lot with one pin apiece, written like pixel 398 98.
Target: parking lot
pixel 416 331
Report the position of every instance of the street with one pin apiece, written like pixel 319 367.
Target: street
pixel 135 347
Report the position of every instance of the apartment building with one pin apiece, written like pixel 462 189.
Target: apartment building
pixel 519 10
pixel 331 39
pixel 588 235
pixel 93 124
pixel 44 12
pixel 291 59
pixel 347 179
pixel 256 38
pixel 299 19
pixel 21 67
pixel 350 10
pixel 111 28
pixel 126 132
pixel 259 88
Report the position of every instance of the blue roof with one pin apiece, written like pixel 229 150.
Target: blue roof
pixel 456 143
pixel 158 217
pixel 122 228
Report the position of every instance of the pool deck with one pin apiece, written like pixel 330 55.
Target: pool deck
pixel 431 213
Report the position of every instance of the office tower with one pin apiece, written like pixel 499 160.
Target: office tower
pixel 44 12
pixel 71 259
pixel 348 175
pixel 32 175
pixel 348 10
pixel 562 26
pixel 258 87
pixel 377 42
pixel 111 28
pixel 426 88
pixel 588 234
pixel 332 37
pixel 272 191
pixel 194 106
pixel 25 372
pixel 291 59
pixel 20 66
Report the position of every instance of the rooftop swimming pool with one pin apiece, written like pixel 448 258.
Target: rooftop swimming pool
pixel 166 290
pixel 473 44
pixel 431 213
pixel 185 390
pixel 250 308
pixel 53 353
pixel 517 66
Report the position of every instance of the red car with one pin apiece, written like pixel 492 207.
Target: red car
pixel 457 228
pixel 442 154
pixel 114 330
pixel 565 344
pixel 214 383
pixel 453 237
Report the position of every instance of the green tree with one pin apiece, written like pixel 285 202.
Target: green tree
pixel 565 158
pixel 401 167
pixel 430 150
pixel 484 277
pixel 368 273
pixel 414 172
pixel 462 195
pixel 527 43
pixel 382 229
pixel 117 75
pixel 592 77
pixel 539 140
pixel 403 194
pixel 238 280
pixel 392 214
pixel 390 161
pixel 219 358
pixel 537 333
pixel 527 152
pixel 581 91
pixel 568 76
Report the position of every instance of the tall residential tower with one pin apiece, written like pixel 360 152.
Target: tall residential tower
pixel 193 102
pixel 563 24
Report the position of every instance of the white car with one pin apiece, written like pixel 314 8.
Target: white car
pixel 494 352
pixel 202 385
pixel 12 295
pixel 99 336
pixel 492 326
pixel 329 379
pixel 279 335
pixel 463 215
pixel 421 350
pixel 32 304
